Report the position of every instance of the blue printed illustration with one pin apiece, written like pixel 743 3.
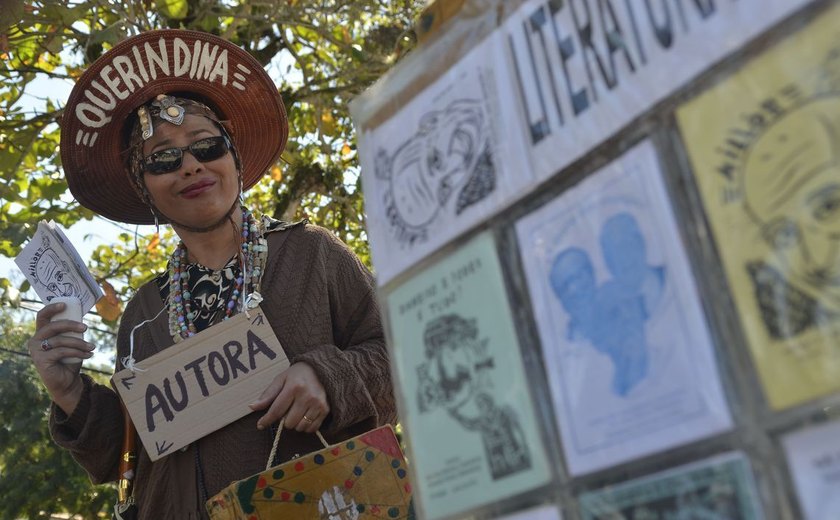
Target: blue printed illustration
pixel 611 316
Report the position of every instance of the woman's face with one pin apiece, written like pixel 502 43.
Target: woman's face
pixel 196 194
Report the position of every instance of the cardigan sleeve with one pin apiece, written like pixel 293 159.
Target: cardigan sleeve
pixel 93 432
pixel 355 371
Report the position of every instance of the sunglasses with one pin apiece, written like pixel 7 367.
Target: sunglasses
pixel 169 160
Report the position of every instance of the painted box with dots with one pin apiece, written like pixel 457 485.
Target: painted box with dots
pixel 364 477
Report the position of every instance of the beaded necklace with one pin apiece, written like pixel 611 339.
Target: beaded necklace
pixel 252 255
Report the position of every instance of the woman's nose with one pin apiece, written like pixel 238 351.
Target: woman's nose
pixel 189 164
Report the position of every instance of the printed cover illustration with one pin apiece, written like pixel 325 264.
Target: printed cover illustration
pixel 365 477
pixel 720 488
pixel 764 148
pixel 467 409
pixel 455 377
pixel 441 163
pixel 54 268
pixel 625 343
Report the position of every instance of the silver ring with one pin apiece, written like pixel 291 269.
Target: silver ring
pixel 307 419
pixel 45 345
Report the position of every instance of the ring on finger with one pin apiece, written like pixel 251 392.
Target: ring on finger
pixel 307 419
pixel 45 345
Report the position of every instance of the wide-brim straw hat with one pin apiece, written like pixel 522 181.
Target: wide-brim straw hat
pixel 175 62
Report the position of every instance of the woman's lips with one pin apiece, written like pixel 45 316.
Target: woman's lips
pixel 194 190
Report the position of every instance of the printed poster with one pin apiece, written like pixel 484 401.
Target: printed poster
pixel 470 420
pixel 625 343
pixel 720 487
pixel 537 513
pixel 581 71
pixel 763 145
pixel 441 164
pixel 813 457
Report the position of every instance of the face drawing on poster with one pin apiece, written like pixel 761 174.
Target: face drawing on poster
pixel 791 190
pixel 626 349
pixel 611 316
pixel 49 271
pixel 455 377
pixel 446 166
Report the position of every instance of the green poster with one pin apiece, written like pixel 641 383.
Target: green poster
pixel 471 426
pixel 720 487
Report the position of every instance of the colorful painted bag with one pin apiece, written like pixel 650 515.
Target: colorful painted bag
pixel 363 477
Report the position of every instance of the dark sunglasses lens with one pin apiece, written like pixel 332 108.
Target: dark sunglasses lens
pixel 209 149
pixel 164 161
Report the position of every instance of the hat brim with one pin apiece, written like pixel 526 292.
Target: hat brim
pixel 136 70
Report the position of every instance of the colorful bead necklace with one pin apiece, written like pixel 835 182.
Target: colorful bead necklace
pixel 252 256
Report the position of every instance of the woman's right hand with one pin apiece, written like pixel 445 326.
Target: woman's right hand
pixel 48 347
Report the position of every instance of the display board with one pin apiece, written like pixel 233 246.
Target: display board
pixel 539 92
pixel 625 343
pixel 474 435
pixel 613 228
pixel 763 147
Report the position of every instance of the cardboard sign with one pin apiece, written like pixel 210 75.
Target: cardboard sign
pixel 201 384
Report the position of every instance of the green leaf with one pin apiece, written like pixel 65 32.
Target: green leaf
pixel 55 44
pixel 11 12
pixel 111 35
pixel 174 9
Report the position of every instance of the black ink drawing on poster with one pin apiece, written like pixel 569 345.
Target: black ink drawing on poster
pixel 611 316
pixel 791 191
pixel 763 146
pixel 446 166
pixel 455 376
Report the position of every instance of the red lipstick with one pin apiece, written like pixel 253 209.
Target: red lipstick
pixel 197 188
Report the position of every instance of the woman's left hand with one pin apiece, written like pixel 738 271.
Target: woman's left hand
pixel 296 394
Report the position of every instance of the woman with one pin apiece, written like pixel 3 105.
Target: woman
pixel 171 126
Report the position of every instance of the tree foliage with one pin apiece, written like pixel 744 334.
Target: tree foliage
pixel 321 54
pixel 37 478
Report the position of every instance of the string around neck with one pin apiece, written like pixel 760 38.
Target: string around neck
pixel 128 361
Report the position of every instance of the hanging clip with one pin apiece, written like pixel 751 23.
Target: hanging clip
pixel 252 301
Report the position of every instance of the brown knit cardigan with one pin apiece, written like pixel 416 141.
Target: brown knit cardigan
pixel 320 301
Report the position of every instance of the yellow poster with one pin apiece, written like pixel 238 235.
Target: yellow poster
pixel 764 146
